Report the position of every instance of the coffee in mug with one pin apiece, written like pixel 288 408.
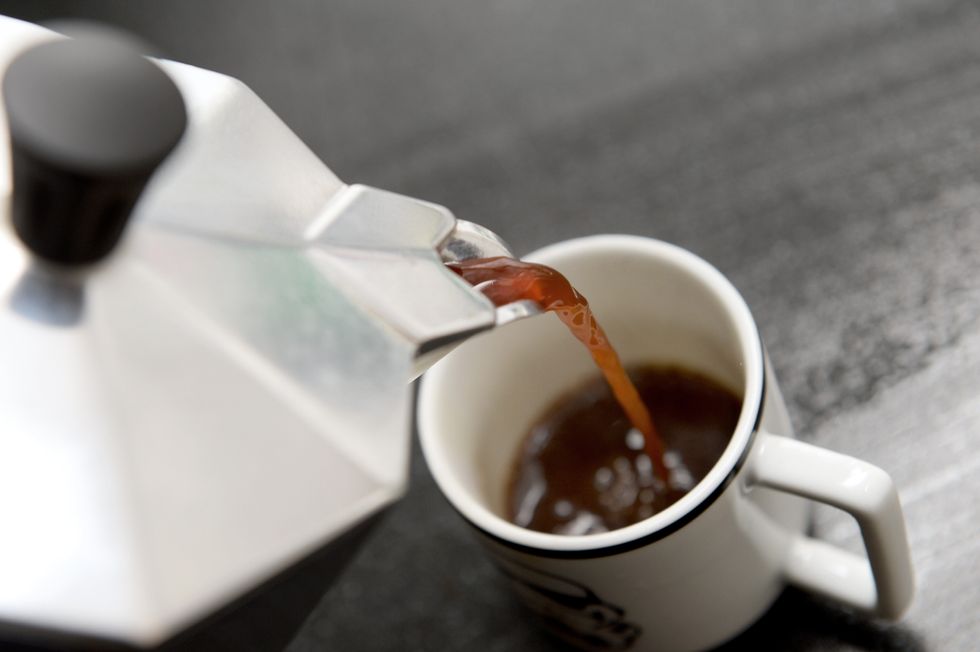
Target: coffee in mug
pixel 583 469
pixel 705 567
pixel 596 461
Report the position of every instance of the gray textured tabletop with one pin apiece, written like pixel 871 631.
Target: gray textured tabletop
pixel 825 156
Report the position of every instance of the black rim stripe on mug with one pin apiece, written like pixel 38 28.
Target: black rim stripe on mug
pixel 663 532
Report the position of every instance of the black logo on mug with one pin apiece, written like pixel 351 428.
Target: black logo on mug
pixel 571 610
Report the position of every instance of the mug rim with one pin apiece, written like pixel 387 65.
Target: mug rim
pixel 666 521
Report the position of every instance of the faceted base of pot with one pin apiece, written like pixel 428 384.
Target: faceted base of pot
pixel 263 620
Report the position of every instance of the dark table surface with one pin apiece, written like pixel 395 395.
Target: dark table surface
pixel 825 156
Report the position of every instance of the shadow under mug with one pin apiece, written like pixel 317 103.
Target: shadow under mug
pixel 702 570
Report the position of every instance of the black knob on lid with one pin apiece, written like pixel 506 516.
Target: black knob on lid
pixel 89 122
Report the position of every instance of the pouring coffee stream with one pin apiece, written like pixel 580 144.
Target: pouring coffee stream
pixel 506 280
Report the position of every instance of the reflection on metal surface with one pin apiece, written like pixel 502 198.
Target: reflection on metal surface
pixel 469 240
pixel 239 172
pixel 380 247
pixel 517 310
pixel 48 298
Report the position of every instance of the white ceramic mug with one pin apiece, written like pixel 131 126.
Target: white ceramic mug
pixel 702 570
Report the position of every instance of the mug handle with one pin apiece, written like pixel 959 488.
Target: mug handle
pixel 883 583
